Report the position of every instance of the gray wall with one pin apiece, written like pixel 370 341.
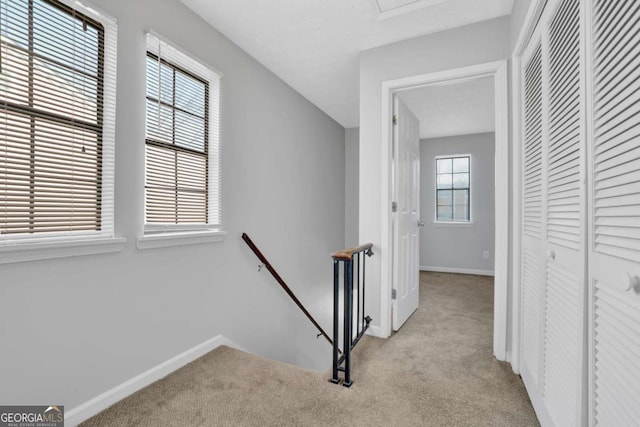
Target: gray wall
pixel 73 328
pixel 351 162
pixel 470 45
pixel 455 246
pixel 518 14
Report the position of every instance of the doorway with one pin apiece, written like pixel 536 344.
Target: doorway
pixel 498 72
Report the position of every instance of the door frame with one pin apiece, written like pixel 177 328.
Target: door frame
pixel 498 71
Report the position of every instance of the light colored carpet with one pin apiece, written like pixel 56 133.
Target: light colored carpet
pixel 438 370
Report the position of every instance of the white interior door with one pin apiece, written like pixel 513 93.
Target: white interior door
pixel 406 187
pixel 614 243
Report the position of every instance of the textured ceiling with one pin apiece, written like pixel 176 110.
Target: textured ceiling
pixel 313 45
pixel 389 5
pixel 457 109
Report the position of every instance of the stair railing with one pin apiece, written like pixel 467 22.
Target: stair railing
pixel 353 258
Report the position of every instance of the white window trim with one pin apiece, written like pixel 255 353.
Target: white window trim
pixel 39 249
pixel 162 235
pixel 458 223
pixel 21 248
pixel 453 223
pixel 179 238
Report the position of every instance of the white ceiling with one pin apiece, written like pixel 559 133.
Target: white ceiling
pixel 457 109
pixel 313 45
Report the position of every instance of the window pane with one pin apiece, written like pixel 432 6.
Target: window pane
pixel 444 165
pixel 65 92
pixel 15 26
pixel 445 198
pixel 444 181
pixel 189 131
pixel 444 213
pixel 64 38
pixel 461 164
pixel 159 120
pixel 15 76
pixel 461 212
pixel 190 94
pixel 461 197
pixel 159 83
pixel 461 180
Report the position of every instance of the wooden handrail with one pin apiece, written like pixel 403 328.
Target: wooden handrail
pixel 346 254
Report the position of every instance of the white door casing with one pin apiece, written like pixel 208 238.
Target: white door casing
pixel 406 188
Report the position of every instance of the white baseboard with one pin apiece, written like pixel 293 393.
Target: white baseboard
pixel 375 331
pixel 99 403
pixel 457 270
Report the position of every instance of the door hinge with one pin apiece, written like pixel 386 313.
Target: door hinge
pixel 394 119
pixel 393 294
pixel 394 206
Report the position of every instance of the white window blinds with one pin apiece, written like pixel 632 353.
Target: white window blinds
pixel 182 185
pixel 57 109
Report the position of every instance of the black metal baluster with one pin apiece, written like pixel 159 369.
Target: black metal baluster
pixel 348 319
pixel 336 310
pixel 358 296
pixel 364 270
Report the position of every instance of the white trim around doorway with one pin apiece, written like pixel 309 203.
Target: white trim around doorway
pixel 498 71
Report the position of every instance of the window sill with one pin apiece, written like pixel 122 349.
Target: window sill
pixel 59 248
pixel 453 223
pixel 179 238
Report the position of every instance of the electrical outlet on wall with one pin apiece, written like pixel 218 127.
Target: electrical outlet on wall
pixel 485 254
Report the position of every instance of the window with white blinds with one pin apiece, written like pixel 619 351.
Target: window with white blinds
pixel 57 93
pixel 182 186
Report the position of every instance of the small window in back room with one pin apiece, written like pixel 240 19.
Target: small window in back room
pixel 453 195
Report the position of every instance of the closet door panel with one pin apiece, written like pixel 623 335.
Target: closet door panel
pixel 614 241
pixel 532 221
pixel 565 291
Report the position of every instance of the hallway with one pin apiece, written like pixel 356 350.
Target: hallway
pixel 438 370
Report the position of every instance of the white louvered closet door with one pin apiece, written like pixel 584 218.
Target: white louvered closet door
pixel 532 221
pixel 614 244
pixel 564 150
pixel 553 311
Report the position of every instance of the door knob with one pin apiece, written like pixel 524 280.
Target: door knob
pixel 634 284
pixel 420 223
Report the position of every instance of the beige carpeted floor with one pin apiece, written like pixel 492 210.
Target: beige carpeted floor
pixel 438 370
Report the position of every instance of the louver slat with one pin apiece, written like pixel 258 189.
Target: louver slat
pixel 532 220
pixel 563 178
